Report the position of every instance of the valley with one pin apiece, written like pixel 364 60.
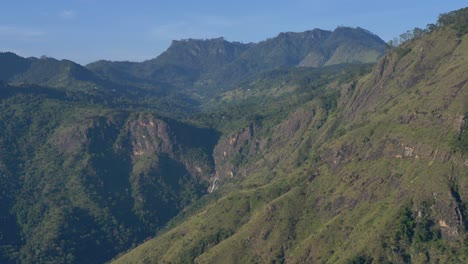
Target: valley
pixel 313 147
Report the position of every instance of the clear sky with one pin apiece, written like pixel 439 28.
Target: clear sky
pixel 88 30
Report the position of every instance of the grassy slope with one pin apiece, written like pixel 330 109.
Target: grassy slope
pixel 383 179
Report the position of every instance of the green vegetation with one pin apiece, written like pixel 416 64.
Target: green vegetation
pixel 460 142
pixel 456 19
pixel 219 152
pixel 361 172
pixel 74 192
pixel 269 99
pixel 205 68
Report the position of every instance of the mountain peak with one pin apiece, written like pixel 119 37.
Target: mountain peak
pixel 302 36
pixel 357 33
pixel 198 40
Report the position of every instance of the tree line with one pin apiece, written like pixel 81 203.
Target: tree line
pixel 458 20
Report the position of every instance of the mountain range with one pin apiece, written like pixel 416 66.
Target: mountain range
pixel 313 147
pixel 218 64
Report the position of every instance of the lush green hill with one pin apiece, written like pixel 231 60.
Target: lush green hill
pixel 12 64
pixel 73 82
pixel 81 182
pixel 374 171
pixel 45 71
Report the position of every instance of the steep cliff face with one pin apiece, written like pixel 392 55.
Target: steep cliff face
pixel 247 150
pixel 232 152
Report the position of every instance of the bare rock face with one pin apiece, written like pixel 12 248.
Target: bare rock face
pixel 231 151
pixel 148 136
pixel 451 215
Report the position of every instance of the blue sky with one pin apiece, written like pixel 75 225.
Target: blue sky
pixel 88 30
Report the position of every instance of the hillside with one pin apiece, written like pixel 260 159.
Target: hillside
pixel 12 65
pixel 303 148
pixel 81 183
pixel 377 175
pixel 74 165
pixel 45 71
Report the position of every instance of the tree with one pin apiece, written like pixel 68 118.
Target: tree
pixel 446 19
pixel 418 32
pixel 431 27
pixel 390 45
pixel 408 35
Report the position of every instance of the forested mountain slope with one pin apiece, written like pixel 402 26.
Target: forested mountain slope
pixel 81 183
pixel 91 168
pixel 378 175
pixel 224 152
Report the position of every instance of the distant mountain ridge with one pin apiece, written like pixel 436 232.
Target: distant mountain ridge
pixel 44 71
pixel 204 67
pixel 217 62
pixel 63 75
pixel 12 65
